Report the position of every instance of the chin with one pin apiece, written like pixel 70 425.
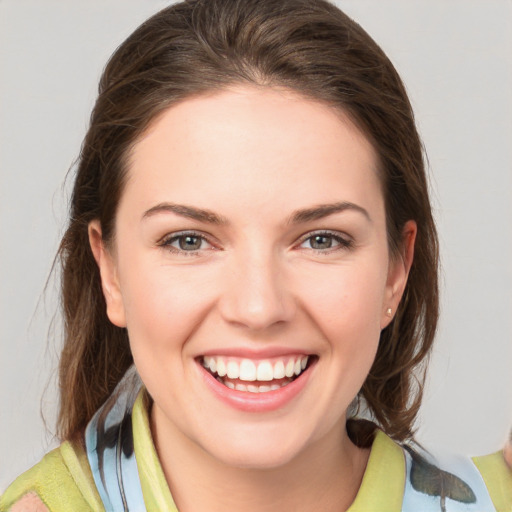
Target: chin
pixel 261 450
pixel 258 459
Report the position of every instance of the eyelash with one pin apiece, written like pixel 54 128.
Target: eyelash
pixel 343 243
pixel 175 237
pixel 167 241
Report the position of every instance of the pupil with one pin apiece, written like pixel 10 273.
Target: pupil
pixel 190 243
pixel 321 242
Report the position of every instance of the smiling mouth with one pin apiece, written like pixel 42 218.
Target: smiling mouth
pixel 256 376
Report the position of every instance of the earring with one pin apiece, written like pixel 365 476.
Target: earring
pixel 389 311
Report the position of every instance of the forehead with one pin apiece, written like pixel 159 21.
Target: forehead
pixel 254 145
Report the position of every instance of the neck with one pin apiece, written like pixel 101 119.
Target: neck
pixel 325 476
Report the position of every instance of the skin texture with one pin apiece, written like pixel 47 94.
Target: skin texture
pixel 29 503
pixel 253 157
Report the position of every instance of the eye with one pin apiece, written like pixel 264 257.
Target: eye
pixel 325 242
pixel 189 242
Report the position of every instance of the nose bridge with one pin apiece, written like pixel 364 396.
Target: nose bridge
pixel 256 293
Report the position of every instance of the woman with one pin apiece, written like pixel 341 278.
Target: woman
pixel 251 227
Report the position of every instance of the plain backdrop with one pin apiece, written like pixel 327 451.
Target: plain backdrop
pixel 455 58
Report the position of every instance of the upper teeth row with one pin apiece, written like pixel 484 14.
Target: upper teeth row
pixel 248 370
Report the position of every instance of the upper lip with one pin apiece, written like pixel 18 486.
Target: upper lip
pixel 256 353
pixel 259 352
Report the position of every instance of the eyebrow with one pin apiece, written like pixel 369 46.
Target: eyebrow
pixel 297 217
pixel 324 210
pixel 189 212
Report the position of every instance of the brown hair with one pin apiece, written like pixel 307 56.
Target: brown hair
pixel 196 46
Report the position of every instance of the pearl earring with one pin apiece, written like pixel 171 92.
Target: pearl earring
pixel 389 311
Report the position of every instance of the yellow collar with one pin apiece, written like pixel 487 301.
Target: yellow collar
pixel 382 487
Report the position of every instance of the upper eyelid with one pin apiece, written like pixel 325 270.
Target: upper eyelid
pixel 345 241
pixel 210 240
pixel 185 232
pixel 329 232
pixel 166 243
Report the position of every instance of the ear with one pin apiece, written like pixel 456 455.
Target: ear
pixel 109 276
pixel 398 272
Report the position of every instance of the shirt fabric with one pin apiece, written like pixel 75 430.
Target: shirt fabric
pixel 64 481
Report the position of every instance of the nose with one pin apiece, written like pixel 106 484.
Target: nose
pixel 256 295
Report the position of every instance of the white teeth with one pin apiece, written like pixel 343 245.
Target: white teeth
pixel 289 368
pixel 250 371
pixel 251 388
pixel 279 370
pixel 233 370
pixel 247 370
pixel 265 371
pixel 221 368
pixel 209 362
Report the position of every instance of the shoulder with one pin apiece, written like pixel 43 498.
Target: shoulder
pixel 457 482
pixel 61 481
pixel 497 476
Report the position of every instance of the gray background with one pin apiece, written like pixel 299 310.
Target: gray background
pixel 455 59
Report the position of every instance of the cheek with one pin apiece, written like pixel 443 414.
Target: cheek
pixel 346 307
pixel 348 297
pixel 163 305
pixel 164 308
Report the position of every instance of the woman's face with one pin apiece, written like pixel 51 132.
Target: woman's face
pixel 251 269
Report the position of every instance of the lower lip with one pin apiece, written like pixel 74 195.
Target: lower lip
pixel 256 402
